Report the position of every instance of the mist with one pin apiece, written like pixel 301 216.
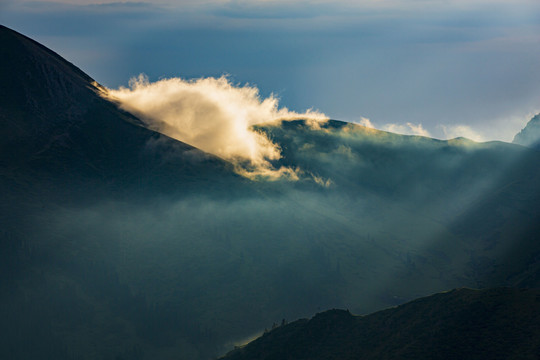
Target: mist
pixel 192 276
pixel 214 115
pixel 187 275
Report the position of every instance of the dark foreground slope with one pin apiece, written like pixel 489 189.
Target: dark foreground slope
pixel 497 323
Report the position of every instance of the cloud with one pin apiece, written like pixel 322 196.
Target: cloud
pixel 454 131
pixel 300 9
pixel 215 116
pixel 407 129
pixel 365 122
pixel 502 128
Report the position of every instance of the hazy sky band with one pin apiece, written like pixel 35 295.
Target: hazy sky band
pixel 441 64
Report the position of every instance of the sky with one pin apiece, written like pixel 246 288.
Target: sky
pixel 440 68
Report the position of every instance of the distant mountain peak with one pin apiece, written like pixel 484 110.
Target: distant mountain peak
pixel 530 135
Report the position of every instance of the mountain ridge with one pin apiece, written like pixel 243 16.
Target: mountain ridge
pixel 58 127
pixel 498 323
pixel 530 135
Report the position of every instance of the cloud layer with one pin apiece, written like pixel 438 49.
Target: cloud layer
pixel 448 131
pixel 213 115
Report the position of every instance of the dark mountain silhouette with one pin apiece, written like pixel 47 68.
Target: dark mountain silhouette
pixel 64 148
pixel 119 242
pixel 496 323
pixel 58 131
pixel 530 135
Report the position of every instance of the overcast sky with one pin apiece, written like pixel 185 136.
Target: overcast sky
pixel 446 68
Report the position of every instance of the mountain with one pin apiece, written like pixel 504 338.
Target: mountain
pixel 58 130
pixel 66 150
pixel 119 242
pixel 498 323
pixel 530 135
pixel 412 189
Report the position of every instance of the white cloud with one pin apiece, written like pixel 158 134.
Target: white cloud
pixel 365 122
pixel 502 128
pixel 406 129
pixel 213 115
pixel 454 131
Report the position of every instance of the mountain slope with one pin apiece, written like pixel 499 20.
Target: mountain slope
pixel 64 151
pixel 530 135
pixel 431 197
pixel 56 126
pixel 461 324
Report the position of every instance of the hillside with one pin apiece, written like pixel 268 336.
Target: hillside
pixel 58 131
pixel 482 197
pixel 496 323
pixel 530 134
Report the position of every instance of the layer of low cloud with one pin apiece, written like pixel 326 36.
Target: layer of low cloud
pixel 407 129
pixel 502 129
pixel 404 129
pixel 215 116
pixel 455 131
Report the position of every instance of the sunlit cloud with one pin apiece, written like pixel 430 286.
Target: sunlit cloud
pixel 365 122
pixel 502 128
pixel 455 131
pixel 407 129
pixel 404 129
pixel 215 116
